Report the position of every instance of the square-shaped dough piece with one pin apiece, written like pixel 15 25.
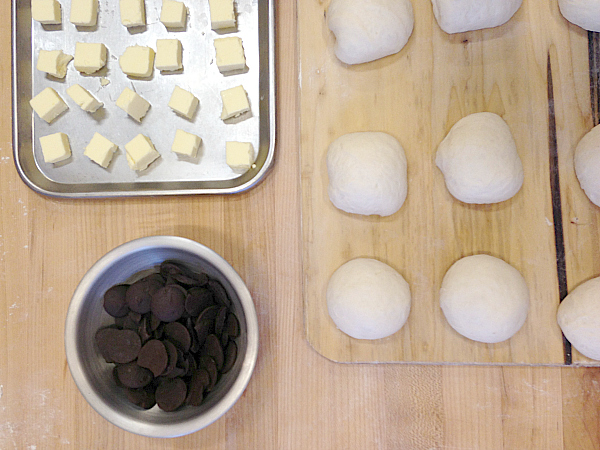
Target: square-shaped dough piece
pixel 186 144
pixel 83 98
pixel 53 62
pixel 235 102
pixel 133 13
pixel 183 102
pixel 137 61
pixel 84 13
pixel 48 104
pixel 140 152
pixel 240 155
pixel 168 55
pixel 100 150
pixel 133 104
pixel 47 12
pixel 222 14
pixel 230 54
pixel 55 147
pixel 173 14
pixel 89 57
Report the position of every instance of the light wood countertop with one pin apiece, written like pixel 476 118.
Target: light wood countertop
pixel 296 398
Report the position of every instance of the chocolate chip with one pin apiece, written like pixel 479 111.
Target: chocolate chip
pixel 168 303
pixel 153 356
pixel 144 397
pixel 219 292
pixel 198 299
pixel 139 294
pixel 230 356
pixel 114 300
pixel 205 324
pixel 119 346
pixel 143 331
pixel 170 394
pixel 178 334
pixel 129 324
pixel 212 348
pixel 220 320
pixel 232 326
pixel 173 356
pixel 209 364
pixel 135 316
pixel 132 375
pixel 199 381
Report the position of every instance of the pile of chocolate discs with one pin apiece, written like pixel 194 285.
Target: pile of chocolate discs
pixel 174 336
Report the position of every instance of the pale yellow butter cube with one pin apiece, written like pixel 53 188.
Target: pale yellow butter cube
pixel 133 13
pixel 235 102
pixel 53 62
pixel 186 144
pixel 183 102
pixel 83 98
pixel 47 12
pixel 84 13
pixel 240 155
pixel 48 104
pixel 55 147
pixel 137 61
pixel 100 150
pixel 222 14
pixel 89 57
pixel 230 54
pixel 173 14
pixel 140 152
pixel 133 104
pixel 168 55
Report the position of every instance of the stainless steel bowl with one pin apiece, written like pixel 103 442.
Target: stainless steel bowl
pixel 86 315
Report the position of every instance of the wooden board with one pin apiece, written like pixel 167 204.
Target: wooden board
pixel 417 95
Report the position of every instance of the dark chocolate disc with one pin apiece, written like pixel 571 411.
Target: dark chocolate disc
pixel 168 303
pixel 232 326
pixel 178 334
pixel 153 356
pixel 182 274
pixel 230 356
pixel 170 394
pixel 119 346
pixel 114 301
pixel 199 381
pixel 173 356
pixel 212 348
pixel 209 364
pixel 133 376
pixel 198 299
pixel 135 316
pixel 144 397
pixel 220 320
pixel 139 294
pixel 219 292
pixel 143 330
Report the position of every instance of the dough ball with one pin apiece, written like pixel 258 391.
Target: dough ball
pixel 479 160
pixel 579 318
pixel 457 16
pixel 367 299
pixel 584 13
pixel 587 163
pixel 484 298
pixel 366 30
pixel 367 173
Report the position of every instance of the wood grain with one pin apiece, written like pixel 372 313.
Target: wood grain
pixel 296 399
pixel 417 96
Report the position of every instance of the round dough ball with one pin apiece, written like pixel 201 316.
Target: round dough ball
pixel 484 298
pixel 583 13
pixel 367 173
pixel 457 16
pixel 367 299
pixel 579 318
pixel 479 160
pixel 587 163
pixel 366 30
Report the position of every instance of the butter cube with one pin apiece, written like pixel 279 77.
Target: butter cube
pixel 230 54
pixel 53 62
pixel 140 152
pixel 137 61
pixel 186 144
pixel 83 98
pixel 235 102
pixel 55 147
pixel 173 14
pixel 133 13
pixel 100 150
pixel 222 14
pixel 168 55
pixel 183 102
pixel 133 104
pixel 48 104
pixel 84 13
pixel 47 12
pixel 89 57
pixel 240 155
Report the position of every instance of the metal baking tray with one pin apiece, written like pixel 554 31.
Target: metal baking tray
pixel 79 177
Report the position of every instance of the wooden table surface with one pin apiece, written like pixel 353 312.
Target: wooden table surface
pixel 296 398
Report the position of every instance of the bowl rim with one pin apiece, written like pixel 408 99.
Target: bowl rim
pixel 74 360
